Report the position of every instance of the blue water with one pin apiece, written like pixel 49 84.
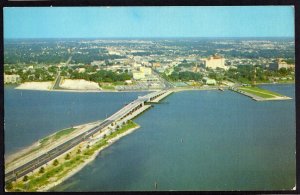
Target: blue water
pixel 31 115
pixel 229 142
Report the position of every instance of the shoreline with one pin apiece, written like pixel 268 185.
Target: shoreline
pixel 177 89
pixel 48 188
pixel 10 157
pixel 86 91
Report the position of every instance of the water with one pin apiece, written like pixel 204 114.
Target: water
pixel 200 140
pixel 32 115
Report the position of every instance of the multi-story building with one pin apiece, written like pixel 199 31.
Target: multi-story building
pixel 280 63
pixel 214 62
pixel 137 75
pixel 146 70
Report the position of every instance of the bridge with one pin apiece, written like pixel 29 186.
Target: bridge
pixel 126 113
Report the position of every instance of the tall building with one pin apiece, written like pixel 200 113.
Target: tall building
pixel 215 61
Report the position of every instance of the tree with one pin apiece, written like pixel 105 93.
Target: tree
pixel 9 186
pixel 42 170
pixel 67 157
pixel 25 178
pixel 55 162
pixel 78 151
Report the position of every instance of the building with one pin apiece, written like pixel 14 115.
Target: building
pixel 214 62
pixel 210 82
pixel 146 70
pixel 156 64
pixel 137 75
pixel 280 63
pixel 81 70
pixel 11 78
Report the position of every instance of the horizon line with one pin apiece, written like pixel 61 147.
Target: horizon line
pixel 144 37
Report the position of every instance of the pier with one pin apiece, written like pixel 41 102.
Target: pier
pixel 258 98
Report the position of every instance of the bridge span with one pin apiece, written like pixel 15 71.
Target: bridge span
pixel 126 113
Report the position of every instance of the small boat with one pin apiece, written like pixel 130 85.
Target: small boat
pixel 221 89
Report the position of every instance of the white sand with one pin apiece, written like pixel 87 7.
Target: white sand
pixel 35 85
pixel 79 84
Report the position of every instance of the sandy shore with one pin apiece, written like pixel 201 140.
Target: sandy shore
pixel 87 161
pixel 36 85
pixel 79 84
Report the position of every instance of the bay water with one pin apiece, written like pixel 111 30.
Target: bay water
pixel 192 140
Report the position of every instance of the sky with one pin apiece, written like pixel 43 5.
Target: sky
pixel 147 22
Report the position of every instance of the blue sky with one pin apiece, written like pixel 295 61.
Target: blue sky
pixel 97 22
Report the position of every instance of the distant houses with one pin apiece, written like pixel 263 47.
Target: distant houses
pixel 14 78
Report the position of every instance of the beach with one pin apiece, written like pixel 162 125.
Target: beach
pixel 36 85
pixel 79 84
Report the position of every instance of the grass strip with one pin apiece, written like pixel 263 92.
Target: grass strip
pixel 260 92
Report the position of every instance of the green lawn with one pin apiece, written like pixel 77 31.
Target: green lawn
pixel 260 92
pixel 108 87
pixel 62 133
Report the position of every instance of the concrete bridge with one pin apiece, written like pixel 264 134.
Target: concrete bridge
pixel 109 125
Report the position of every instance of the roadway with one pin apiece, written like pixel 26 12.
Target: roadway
pixel 57 151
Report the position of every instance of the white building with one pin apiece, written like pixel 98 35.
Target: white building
pixel 137 75
pixel 146 70
pixel 214 62
pixel 211 82
pixel 81 70
pixel 11 78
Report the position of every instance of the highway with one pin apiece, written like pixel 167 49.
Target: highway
pixel 57 151
pixel 57 81
pixel 43 159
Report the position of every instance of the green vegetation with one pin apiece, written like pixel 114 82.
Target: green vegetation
pixel 55 162
pixel 67 157
pixel 44 140
pixel 101 76
pixel 245 74
pixel 47 140
pixel 260 92
pixel 59 170
pixel 25 178
pixel 107 87
pixel 61 133
pixel 9 186
pixel 42 170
